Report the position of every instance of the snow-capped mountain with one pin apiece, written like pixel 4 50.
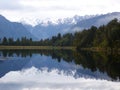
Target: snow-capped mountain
pixel 48 29
pixel 98 20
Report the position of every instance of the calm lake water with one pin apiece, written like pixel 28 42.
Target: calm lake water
pixel 59 70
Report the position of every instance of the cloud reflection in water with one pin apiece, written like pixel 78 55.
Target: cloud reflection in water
pixel 34 79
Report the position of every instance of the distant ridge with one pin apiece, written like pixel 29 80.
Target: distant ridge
pixel 98 20
pixel 13 29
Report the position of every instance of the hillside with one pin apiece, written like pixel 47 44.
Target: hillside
pixel 13 29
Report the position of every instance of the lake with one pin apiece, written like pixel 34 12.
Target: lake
pixel 58 70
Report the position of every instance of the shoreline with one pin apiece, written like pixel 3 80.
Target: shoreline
pixel 36 47
pixel 93 49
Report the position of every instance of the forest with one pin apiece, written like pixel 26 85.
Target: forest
pixel 103 36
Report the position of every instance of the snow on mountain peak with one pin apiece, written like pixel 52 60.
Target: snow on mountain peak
pixel 48 21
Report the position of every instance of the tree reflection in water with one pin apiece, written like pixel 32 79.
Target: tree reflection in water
pixel 105 63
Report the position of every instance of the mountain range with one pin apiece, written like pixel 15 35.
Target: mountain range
pixel 47 30
pixel 71 25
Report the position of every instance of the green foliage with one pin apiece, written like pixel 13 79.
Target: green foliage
pixel 104 36
pixel 65 40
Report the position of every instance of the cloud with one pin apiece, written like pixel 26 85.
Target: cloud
pixel 50 5
pixel 55 8
pixel 33 79
pixel 10 5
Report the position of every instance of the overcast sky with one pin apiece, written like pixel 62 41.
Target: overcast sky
pixel 16 10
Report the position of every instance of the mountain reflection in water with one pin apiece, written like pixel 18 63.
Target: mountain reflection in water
pixel 56 68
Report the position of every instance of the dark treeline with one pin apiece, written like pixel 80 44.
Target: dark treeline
pixel 10 41
pixel 59 40
pixel 103 36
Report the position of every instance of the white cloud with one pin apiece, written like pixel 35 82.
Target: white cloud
pixel 33 79
pixel 17 9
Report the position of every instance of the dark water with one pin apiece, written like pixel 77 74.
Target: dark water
pixel 58 69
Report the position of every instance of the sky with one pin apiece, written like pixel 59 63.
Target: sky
pixel 18 10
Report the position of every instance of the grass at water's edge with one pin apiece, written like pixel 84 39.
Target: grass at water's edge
pixel 35 47
pixel 93 49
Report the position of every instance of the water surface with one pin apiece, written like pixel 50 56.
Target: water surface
pixel 59 70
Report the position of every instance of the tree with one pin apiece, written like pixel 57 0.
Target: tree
pixel 104 36
pixel 59 36
pixel 10 41
pixel 5 41
pixel 18 42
